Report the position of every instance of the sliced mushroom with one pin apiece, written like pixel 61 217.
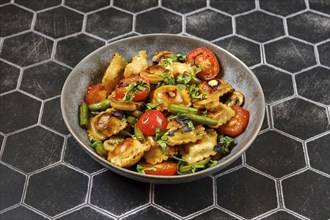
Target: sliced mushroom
pixel 137 65
pixel 170 94
pixel 236 98
pixel 161 54
pixel 128 152
pixel 114 73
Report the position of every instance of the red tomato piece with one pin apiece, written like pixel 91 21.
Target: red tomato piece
pixel 151 120
pixel 237 124
pixel 167 168
pixel 207 60
pixel 140 94
pixel 95 93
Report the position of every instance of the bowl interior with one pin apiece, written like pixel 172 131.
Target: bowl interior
pixel 91 69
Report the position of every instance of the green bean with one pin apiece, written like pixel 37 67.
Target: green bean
pixel 138 134
pixel 177 109
pixel 99 149
pixel 83 115
pixel 201 119
pixel 100 105
pixel 131 120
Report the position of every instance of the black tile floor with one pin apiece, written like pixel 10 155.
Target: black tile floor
pixel 285 174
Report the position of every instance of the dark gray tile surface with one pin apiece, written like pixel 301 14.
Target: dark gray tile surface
pixel 283 175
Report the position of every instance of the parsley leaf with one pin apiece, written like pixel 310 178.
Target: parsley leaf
pixel 163 143
pixel 195 93
pixel 167 79
pixel 160 133
pixel 141 169
pixel 131 90
pixel 153 105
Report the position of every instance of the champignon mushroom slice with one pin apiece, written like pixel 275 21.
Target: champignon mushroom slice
pixel 180 68
pixel 104 125
pixel 177 136
pixel 114 73
pixel 236 98
pixel 128 152
pixel 222 113
pixel 161 54
pixel 153 74
pixel 194 152
pixel 211 93
pixel 170 94
pixel 137 65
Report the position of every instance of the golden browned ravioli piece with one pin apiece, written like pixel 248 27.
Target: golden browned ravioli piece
pixel 170 94
pixel 222 113
pixel 114 73
pixel 104 125
pixel 154 74
pixel 137 65
pixel 194 152
pixel 179 137
pixel 212 91
pixel 157 155
pixel 128 152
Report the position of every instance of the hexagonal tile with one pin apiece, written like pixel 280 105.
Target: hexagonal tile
pixel 86 6
pixel 283 7
pixel 13 20
pixel 52 116
pixel 290 54
pixel 149 213
pixel 8 77
pixel 33 145
pixel 246 193
pixel 39 80
pixel 26 49
pixel 77 157
pixel 247 51
pixel 308 194
pixel 314 84
pixel 324 54
pixel 322 6
pixel 4 2
pixel 19 212
pixel 200 23
pixel 281 215
pixel 259 26
pixel 59 22
pixel 309 22
pixel 65 48
pixel 117 193
pixel 11 194
pixel 184 6
pixel 12 119
pixel 84 213
pixel 318 152
pixel 300 118
pixel 233 7
pixel 135 6
pixel 64 189
pixel 276 85
pixel 264 153
pixel 175 197
pixel 214 214
pixel 109 23
pixel 158 21
pixel 38 5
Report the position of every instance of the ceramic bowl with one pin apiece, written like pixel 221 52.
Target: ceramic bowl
pixel 90 71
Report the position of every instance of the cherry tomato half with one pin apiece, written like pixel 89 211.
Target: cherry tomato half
pixel 123 85
pixel 207 60
pixel 167 168
pixel 237 124
pixel 151 120
pixel 95 93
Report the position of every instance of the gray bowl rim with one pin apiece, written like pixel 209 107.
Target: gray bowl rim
pixel 153 178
